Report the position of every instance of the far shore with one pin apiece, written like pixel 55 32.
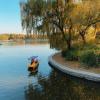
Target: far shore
pixel 18 40
pixel 24 42
pixel 19 37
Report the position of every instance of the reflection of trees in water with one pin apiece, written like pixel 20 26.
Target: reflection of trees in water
pixel 24 42
pixel 57 41
pixel 60 87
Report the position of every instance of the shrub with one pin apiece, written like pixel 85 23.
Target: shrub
pixel 63 53
pixel 98 59
pixel 70 54
pixel 89 58
pixel 90 46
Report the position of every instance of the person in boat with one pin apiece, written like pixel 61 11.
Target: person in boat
pixel 35 60
pixel 33 64
pixel 32 61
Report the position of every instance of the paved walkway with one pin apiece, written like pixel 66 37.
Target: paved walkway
pixel 74 72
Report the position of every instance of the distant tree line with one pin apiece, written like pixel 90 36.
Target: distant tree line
pixel 22 36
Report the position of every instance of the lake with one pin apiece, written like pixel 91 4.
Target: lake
pixel 16 83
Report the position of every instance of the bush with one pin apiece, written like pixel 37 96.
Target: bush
pixel 64 53
pixel 89 58
pixel 90 46
pixel 98 59
pixel 70 54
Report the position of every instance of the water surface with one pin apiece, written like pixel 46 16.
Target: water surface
pixel 16 83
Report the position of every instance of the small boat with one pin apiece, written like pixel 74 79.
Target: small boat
pixel 33 66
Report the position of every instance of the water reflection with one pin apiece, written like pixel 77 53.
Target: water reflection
pixel 33 73
pixel 23 42
pixel 61 87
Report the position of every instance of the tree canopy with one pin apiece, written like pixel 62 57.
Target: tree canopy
pixel 60 18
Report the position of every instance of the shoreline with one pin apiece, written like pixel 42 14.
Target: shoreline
pixel 73 71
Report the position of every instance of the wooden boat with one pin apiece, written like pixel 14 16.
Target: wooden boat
pixel 33 66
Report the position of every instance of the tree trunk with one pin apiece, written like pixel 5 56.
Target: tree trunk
pixel 83 37
pixel 69 43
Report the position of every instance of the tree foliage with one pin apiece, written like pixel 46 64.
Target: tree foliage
pixel 61 17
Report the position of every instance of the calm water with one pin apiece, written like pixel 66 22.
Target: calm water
pixel 16 83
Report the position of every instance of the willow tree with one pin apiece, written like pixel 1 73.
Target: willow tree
pixel 51 16
pixel 31 14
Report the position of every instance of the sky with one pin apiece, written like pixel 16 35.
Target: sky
pixel 10 20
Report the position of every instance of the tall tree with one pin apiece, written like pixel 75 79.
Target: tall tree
pixel 51 15
pixel 86 14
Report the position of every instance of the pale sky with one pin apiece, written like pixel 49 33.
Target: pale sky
pixel 10 21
